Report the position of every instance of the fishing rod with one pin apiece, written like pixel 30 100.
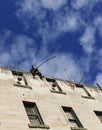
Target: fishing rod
pixel 45 61
pixel 68 76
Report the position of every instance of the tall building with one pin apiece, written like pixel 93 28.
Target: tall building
pixel 36 102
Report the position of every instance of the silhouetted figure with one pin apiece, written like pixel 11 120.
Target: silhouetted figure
pixel 35 71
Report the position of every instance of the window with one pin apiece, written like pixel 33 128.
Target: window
pixel 99 115
pixel 83 91
pixel 72 118
pixel 34 116
pixel 54 86
pixel 19 79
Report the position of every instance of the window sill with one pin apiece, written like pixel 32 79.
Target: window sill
pixel 57 92
pixel 24 86
pixel 73 128
pixel 39 126
pixel 88 97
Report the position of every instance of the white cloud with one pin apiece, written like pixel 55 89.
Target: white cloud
pixel 5 59
pixel 100 52
pixel 98 61
pixel 23 46
pixel 16 49
pixel 33 15
pixel 88 39
pixel 30 11
pixel 98 24
pixel 53 4
pixel 85 63
pixel 67 22
pixel 61 23
pixel 72 23
pixel 78 4
pixel 4 37
pixel 98 79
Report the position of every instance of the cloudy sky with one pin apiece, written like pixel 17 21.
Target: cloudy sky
pixel 33 30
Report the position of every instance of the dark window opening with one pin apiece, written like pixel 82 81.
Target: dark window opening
pixel 33 114
pixel 72 118
pixel 17 73
pixel 79 85
pixel 99 115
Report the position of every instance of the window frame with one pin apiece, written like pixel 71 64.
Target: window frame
pixel 35 113
pixel 86 91
pixel 75 118
pixel 55 84
pixel 17 74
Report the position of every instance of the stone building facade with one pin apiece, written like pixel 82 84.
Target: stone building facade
pixel 30 103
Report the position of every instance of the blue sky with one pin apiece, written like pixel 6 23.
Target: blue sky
pixel 33 30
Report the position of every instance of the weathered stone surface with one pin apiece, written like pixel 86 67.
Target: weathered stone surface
pixel 13 115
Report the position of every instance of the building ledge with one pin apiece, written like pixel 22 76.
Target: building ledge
pixel 39 126
pixel 74 128
pixel 57 92
pixel 88 97
pixel 24 86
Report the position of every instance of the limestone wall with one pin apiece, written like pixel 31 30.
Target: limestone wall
pixel 14 117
